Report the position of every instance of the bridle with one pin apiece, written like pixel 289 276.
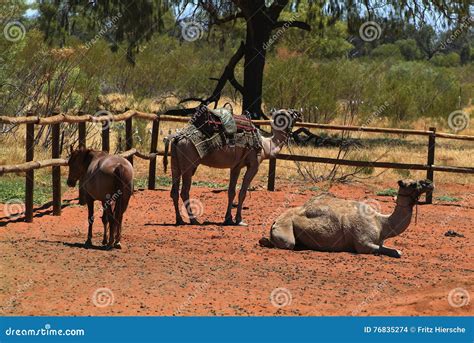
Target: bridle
pixel 415 200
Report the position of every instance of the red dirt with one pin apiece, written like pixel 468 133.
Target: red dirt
pixel 215 270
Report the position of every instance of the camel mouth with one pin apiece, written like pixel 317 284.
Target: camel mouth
pixel 425 186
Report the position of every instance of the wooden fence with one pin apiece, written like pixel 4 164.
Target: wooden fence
pixel 56 162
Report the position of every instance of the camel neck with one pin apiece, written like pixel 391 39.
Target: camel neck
pixel 279 138
pixel 272 145
pixel 397 222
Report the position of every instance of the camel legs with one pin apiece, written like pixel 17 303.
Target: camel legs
pixel 248 177
pixel 112 226
pixel 104 222
pixel 234 176
pixel 187 180
pixel 176 180
pixel 372 248
pixel 90 217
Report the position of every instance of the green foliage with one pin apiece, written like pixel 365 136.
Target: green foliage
pixel 13 188
pixel 387 192
pixel 415 89
pixel 387 51
pixel 331 43
pixel 165 181
pixel 409 49
pixel 308 70
pixel 447 198
pixel 449 60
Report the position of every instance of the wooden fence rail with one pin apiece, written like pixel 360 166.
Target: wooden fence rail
pixel 81 119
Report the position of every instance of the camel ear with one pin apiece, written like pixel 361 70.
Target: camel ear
pixel 401 183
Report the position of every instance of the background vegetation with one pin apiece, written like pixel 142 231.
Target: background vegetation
pixel 410 76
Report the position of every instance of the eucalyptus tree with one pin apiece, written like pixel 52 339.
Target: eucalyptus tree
pixel 140 19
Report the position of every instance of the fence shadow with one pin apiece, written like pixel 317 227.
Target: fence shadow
pixel 43 210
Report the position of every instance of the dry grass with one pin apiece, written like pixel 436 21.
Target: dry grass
pixel 390 148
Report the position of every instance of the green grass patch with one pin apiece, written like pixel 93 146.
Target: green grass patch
pixel 165 181
pixel 447 198
pixel 387 192
pixel 14 188
pixel 209 184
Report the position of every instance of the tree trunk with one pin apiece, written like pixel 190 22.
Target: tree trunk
pixel 259 29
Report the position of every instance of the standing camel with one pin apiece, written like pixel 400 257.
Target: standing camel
pixel 185 160
pixel 326 223
pixel 108 179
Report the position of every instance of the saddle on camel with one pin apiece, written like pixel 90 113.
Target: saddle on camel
pixel 210 130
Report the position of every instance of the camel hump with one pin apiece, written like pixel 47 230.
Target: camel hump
pixel 318 206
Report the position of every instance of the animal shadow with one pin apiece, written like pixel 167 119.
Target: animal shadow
pixel 84 246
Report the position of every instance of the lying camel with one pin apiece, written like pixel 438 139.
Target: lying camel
pixel 326 223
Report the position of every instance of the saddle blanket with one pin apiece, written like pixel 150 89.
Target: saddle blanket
pixel 205 144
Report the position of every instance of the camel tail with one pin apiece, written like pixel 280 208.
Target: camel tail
pixel 265 242
pixel 165 156
pixel 120 182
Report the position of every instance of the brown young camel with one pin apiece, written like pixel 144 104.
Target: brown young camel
pixel 108 179
pixel 326 223
pixel 185 160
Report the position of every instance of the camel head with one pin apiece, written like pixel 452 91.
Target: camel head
pixel 78 162
pixel 284 120
pixel 412 189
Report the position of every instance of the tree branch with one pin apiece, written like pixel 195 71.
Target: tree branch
pixel 227 75
pixel 214 13
pixel 275 9
pixel 292 23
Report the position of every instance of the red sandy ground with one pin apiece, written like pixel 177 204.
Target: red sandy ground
pixel 215 270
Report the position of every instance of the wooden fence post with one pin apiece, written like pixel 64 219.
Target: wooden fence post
pixel 56 170
pixel 30 174
pixel 129 137
pixel 106 136
pixel 430 162
pixel 271 174
pixel 153 149
pixel 82 144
